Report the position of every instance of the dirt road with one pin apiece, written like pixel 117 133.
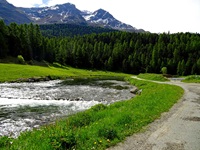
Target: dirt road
pixel 178 129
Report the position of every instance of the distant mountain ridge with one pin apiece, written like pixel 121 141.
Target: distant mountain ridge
pixel 63 13
pixel 104 18
pixel 10 13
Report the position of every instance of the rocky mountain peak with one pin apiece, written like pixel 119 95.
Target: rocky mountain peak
pixel 65 13
pixel 101 13
pixel 103 18
pixel 3 2
pixel 10 13
pixel 62 13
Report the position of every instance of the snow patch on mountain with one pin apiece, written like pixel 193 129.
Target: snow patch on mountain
pixel 36 18
pixel 87 17
pixel 54 8
pixel 104 18
pixel 68 13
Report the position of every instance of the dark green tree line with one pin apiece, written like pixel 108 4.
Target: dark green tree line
pixel 114 51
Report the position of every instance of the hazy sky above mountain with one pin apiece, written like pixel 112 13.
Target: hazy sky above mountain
pixel 150 15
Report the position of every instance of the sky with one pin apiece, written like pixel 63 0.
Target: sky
pixel 156 16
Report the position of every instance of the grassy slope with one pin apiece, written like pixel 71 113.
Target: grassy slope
pixel 151 76
pixel 101 126
pixel 192 79
pixel 10 72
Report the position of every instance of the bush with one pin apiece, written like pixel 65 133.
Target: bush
pixel 192 79
pixel 20 59
pixel 5 142
pixel 152 76
pixel 108 132
pixel 98 107
pixel 81 119
pixel 164 70
pixel 63 141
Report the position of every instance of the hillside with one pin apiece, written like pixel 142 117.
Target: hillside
pixel 114 51
pixel 66 13
pixel 10 13
pixel 70 30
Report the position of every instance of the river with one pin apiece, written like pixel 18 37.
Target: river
pixel 24 106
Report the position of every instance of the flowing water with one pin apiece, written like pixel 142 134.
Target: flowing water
pixel 24 106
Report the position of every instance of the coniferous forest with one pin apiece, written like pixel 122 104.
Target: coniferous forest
pixel 114 51
pixel 70 30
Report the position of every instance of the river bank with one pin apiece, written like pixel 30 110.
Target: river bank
pixel 177 129
pixel 103 126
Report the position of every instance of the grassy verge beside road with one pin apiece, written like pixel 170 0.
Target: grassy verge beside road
pixel 192 79
pixel 151 76
pixel 101 126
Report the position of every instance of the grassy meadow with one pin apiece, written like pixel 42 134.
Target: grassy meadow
pixel 13 72
pixel 99 127
pixel 192 79
pixel 152 76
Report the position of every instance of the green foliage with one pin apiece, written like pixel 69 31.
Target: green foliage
pixel 16 72
pixel 20 59
pixel 81 119
pixel 70 30
pixel 181 68
pixel 114 51
pixel 63 141
pixel 192 79
pixel 164 70
pixel 5 142
pixel 98 107
pixel 103 126
pixel 108 132
pixel 3 41
pixel 151 76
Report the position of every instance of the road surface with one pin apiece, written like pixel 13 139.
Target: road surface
pixel 178 129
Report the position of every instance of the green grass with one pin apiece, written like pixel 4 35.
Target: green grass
pixel 13 72
pixel 151 76
pixel 101 126
pixel 192 79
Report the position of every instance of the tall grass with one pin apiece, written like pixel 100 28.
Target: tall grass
pixel 152 76
pixel 192 79
pixel 101 126
pixel 13 72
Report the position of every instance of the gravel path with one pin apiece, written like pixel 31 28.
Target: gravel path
pixel 178 129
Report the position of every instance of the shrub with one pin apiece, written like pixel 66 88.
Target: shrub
pixel 152 76
pixel 108 132
pixel 31 62
pixel 124 119
pixel 20 59
pixel 81 119
pixel 192 79
pixel 98 107
pixel 164 70
pixel 5 142
pixel 64 141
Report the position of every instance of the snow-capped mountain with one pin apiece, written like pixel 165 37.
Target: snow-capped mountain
pixel 66 13
pixel 104 18
pixel 10 13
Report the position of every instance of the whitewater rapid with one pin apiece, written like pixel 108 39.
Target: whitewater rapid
pixel 24 106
